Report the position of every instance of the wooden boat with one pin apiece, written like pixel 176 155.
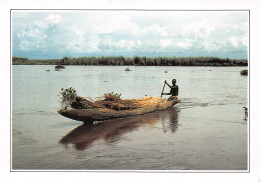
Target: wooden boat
pixel 100 114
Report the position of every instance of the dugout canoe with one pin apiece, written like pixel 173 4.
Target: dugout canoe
pixel 100 114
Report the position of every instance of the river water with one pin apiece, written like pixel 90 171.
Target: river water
pixel 206 131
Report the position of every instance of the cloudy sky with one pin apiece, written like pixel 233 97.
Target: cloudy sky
pixel 54 34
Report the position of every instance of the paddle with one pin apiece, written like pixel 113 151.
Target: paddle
pixel 163 89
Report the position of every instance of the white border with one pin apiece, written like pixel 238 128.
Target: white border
pixel 253 175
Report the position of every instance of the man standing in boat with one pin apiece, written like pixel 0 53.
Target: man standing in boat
pixel 174 90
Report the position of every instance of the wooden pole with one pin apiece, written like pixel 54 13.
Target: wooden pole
pixel 163 89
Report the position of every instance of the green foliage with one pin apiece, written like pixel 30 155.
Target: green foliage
pixel 112 96
pixel 26 61
pixel 244 72
pixel 19 59
pixel 68 96
pixel 137 61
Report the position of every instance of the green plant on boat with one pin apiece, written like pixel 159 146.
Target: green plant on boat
pixel 112 96
pixel 67 96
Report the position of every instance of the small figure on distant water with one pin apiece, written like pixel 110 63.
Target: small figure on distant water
pixel 174 90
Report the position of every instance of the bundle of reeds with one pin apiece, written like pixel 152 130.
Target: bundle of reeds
pixel 116 103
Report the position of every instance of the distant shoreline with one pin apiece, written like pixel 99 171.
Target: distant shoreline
pixel 134 61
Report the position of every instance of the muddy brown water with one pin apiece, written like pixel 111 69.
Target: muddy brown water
pixel 206 131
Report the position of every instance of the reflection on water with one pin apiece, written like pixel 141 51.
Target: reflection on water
pixel 112 130
pixel 170 121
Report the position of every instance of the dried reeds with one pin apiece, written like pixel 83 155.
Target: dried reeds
pixel 116 103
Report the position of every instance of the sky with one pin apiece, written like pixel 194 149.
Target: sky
pixel 55 34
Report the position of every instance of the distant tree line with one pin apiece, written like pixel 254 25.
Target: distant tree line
pixel 26 61
pixel 19 59
pixel 136 61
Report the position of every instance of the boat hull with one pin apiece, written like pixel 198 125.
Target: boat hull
pixel 100 114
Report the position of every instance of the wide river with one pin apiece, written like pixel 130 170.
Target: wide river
pixel 207 130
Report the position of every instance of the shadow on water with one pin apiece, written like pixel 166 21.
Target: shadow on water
pixel 112 130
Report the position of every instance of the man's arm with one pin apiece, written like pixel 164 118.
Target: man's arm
pixel 167 84
pixel 166 94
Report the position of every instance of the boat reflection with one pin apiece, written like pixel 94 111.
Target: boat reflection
pixel 112 130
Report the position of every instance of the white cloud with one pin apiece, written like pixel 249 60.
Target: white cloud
pixel 50 20
pixel 34 32
pixel 234 41
pixel 20 14
pixel 34 35
pixel 165 43
pixel 53 19
pixel 131 32
pixel 109 44
pixel 153 30
pixel 184 45
pixel 41 24
pixel 21 34
pixel 25 45
pixel 116 24
pixel 78 31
